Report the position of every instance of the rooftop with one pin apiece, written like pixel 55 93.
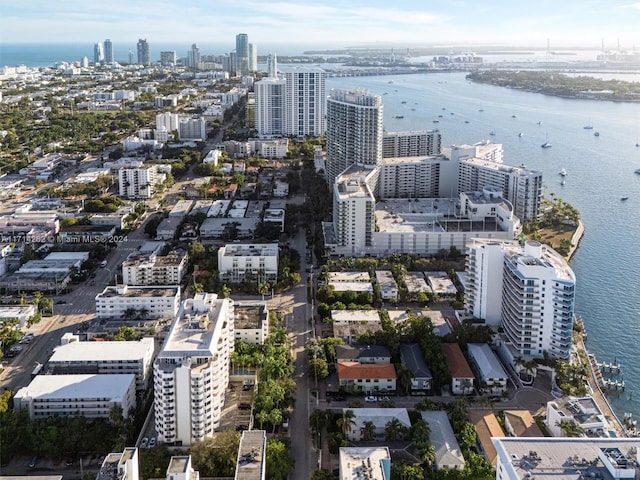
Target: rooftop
pixel 250 250
pixel 249 316
pixel 486 360
pixel 355 370
pixel 443 439
pixel 372 463
pixel 129 291
pixel 56 387
pixel 251 461
pixel 101 351
pixel 458 365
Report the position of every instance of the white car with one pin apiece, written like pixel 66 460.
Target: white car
pixel 371 398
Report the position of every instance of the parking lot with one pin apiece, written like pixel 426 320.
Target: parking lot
pixel 238 407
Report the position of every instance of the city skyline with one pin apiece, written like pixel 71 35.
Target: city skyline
pixel 359 22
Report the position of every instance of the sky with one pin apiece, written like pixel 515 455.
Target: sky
pixel 331 23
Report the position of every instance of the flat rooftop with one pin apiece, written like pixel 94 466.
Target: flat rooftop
pixel 121 291
pixel 251 461
pixel 568 458
pixel 251 250
pixel 249 316
pixel 101 351
pixel 56 387
pixel 372 463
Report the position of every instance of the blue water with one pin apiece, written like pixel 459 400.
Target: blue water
pixel 600 170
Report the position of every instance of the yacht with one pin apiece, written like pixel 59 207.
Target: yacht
pixel 520 134
pixel 399 116
pixel 597 134
pixel 624 198
pixel 638 171
pixel 563 172
pixel 546 145
pixel 562 183
pixel 492 133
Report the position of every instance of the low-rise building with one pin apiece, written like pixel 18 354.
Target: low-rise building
pixel 91 396
pixel 180 468
pixel 124 301
pixel 216 227
pixel 363 354
pixel 20 313
pixel 441 285
pixel 143 268
pixel 583 412
pixel 240 262
pixel 416 283
pixel 251 322
pixel 490 373
pixel 168 228
pixel 120 466
pixel 387 284
pixel 421 377
pixel 105 358
pixel 181 209
pixel 447 451
pixel 87 234
pixel 379 417
pixel 566 458
pixel 373 463
pixel 462 377
pixel 487 427
pixel 350 324
pixel 251 463
pixel 520 423
pixel 367 378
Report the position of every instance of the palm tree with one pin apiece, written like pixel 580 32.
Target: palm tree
pixel 570 429
pixel 275 418
pixel 404 377
pixel 262 417
pixel 129 313
pixel 393 430
pixel 346 421
pixel 367 431
pixel 143 313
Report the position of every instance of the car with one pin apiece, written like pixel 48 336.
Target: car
pixel 144 443
pixel 339 398
pixel 69 461
pixel 242 428
pixel 32 463
pixel 152 442
pixel 244 406
pixel 371 398
pixel 385 399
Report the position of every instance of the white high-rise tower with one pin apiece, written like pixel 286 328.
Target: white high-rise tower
pixel 354 130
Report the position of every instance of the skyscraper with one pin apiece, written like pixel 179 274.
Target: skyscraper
pixel 108 51
pixel 168 58
pixel 271 96
pixel 272 65
pixel 193 57
pixel 354 130
pixel 242 54
pixel 143 52
pixel 253 57
pixel 305 101
pixel 528 290
pixel 98 53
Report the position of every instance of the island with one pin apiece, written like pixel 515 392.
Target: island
pixel 560 85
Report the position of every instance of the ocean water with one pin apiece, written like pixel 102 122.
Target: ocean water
pixel 600 171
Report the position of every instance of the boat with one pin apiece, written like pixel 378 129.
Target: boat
pixel 467 121
pixel 481 110
pixel 638 171
pixel 436 121
pixel 622 199
pixel 546 145
pixel 513 116
pixel 390 81
pixel 399 116
pixel 562 183
pixel 563 172
pixel 597 134
pixel 588 127
pixel 403 102
pixel 492 133
pixel 520 134
pixel 439 116
pixel 413 109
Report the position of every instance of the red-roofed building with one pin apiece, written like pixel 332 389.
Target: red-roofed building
pixel 230 191
pixel 368 378
pixel 462 376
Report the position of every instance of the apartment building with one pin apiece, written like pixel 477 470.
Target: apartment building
pixel 105 358
pixel 139 182
pixel 240 262
pixel 149 268
pixel 354 130
pixel 251 322
pixel 191 372
pixel 411 143
pixel 144 302
pixel 91 396
pixel 305 102
pixel 528 290
pixel 270 106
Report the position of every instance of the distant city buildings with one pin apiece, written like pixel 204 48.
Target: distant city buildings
pixel 143 52
pixel 108 51
pixel 168 58
pixel 193 57
pixel 98 53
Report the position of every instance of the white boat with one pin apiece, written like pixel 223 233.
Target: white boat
pixel 638 171
pixel 624 198
pixel 546 145
pixel 563 172
pixel 492 133
pixel 562 182
pixel 520 134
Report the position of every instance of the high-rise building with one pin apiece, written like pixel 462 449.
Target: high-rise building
pixel 193 57
pixel 527 289
pixel 242 54
pixel 411 143
pixel 143 52
pixel 354 130
pixel 353 210
pixel 98 53
pixel 130 59
pixel 253 57
pixel 168 58
pixel 272 65
pixel 109 56
pixel 191 372
pixel 270 109
pixel 305 101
